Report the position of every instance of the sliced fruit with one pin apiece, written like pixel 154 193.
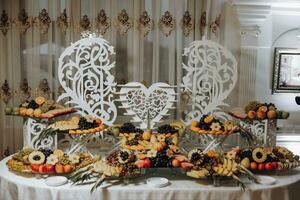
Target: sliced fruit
pixel 29 112
pixel 259 155
pixel 40 100
pixel 181 158
pixel 209 119
pixel 194 124
pixel 186 165
pixel 37 112
pixel 36 157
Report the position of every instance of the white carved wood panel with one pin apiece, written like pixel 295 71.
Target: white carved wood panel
pixel 209 76
pixel 142 103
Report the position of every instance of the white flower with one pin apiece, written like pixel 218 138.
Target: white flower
pixel 74 158
pixel 52 159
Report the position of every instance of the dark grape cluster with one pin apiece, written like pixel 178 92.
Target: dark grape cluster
pixel 84 124
pixel 32 104
pixel 247 153
pixel 124 155
pixel 46 152
pixel 127 128
pixel 112 158
pixel 161 160
pixel 206 126
pixel 166 129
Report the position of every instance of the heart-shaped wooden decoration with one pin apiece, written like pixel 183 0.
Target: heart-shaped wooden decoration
pixel 139 101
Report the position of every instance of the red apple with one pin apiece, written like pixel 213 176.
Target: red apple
pixel 268 166
pixel 253 165
pixel 42 169
pixel 275 165
pixel 50 168
pixel 35 168
pixel 147 163
pixel 139 163
pixel 261 166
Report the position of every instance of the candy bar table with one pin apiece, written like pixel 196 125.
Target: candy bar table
pixel 181 187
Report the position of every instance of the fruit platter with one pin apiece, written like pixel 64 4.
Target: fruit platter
pixel 256 110
pixel 39 108
pixel 77 125
pixel 265 159
pixel 208 124
pixel 46 161
pixel 215 165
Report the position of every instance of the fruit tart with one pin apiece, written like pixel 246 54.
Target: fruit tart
pixel 46 161
pixel 263 159
pixel 39 108
pixel 208 124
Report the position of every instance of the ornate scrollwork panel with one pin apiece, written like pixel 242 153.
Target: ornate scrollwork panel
pixel 167 23
pixel 102 22
pixel 145 23
pixel 23 21
pixel 43 21
pixel 31 131
pixel 123 22
pixel 210 76
pixel 264 131
pixel 84 74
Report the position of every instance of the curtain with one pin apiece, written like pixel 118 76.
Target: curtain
pixel 152 58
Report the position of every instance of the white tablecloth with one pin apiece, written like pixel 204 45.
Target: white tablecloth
pixel 181 187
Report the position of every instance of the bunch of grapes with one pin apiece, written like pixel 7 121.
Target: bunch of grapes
pixel 166 129
pixel 84 124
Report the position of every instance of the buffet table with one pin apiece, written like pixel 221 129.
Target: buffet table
pixel 180 187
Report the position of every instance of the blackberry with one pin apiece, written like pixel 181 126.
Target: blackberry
pixel 84 124
pixel 140 131
pixel 169 141
pixel 132 142
pixel 32 104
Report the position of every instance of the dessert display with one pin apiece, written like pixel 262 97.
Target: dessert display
pixel 208 124
pixel 265 158
pixel 46 161
pixel 39 108
pixel 75 126
pixel 256 110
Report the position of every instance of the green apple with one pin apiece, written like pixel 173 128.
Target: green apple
pixel 245 162
pixel 16 110
pixel 285 115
